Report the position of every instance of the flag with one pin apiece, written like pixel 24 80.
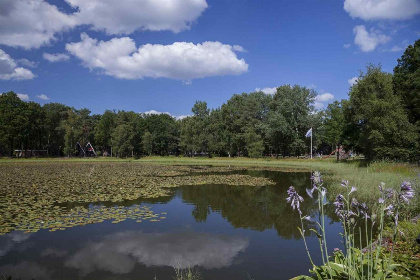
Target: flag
pixel 309 133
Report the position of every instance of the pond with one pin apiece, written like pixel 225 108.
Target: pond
pixel 223 230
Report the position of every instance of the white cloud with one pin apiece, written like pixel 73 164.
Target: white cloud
pixel 238 48
pixel 43 97
pixel 56 57
pixel 154 112
pixel 34 23
pixel 399 48
pixel 353 81
pixel 9 69
pixel 126 16
pixel 31 23
pixel 27 63
pixel 184 61
pixel 181 117
pixel 368 41
pixel 23 97
pixel 346 46
pixel 318 105
pixel 267 90
pixel 382 9
pixel 311 86
pixel 324 97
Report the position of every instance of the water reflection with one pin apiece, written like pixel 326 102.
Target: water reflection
pixel 12 241
pixel 256 208
pixel 26 270
pixel 205 228
pixel 119 253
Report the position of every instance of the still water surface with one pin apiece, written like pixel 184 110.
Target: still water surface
pixel 226 232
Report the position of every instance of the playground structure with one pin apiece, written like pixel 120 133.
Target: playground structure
pixel 342 153
pixel 88 151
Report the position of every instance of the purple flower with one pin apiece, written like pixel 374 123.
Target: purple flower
pixel 363 210
pixel 390 210
pixel 294 199
pixel 381 201
pixel 339 205
pixel 310 192
pixel 407 192
pixel 317 178
pixel 353 189
pixel 389 193
pixel 381 186
pixel 354 203
pixel 344 183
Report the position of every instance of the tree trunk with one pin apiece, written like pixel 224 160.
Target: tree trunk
pixel 338 152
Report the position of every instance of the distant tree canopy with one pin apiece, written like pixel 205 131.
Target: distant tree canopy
pixel 380 119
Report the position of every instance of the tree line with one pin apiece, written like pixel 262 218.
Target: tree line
pixel 380 119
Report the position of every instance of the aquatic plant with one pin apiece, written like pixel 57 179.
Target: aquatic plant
pixel 353 262
pixel 56 196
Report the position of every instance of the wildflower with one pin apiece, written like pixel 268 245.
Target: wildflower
pixel 381 200
pixel 363 210
pixel 381 186
pixel 373 219
pixel 308 218
pixel 407 192
pixel 390 210
pixel 323 192
pixel 353 189
pixel 310 192
pixel 344 183
pixel 354 203
pixel 389 193
pixel 339 205
pixel 294 199
pixel 317 178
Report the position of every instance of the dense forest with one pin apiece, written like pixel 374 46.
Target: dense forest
pixel 380 119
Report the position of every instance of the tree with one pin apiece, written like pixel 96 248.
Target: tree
pixel 165 133
pixel 55 114
pixel 406 81
pixel 147 143
pixel 334 124
pixel 122 138
pixel 240 112
pixel 254 143
pixel 289 119
pixel 12 120
pixel 72 130
pixel 378 121
pixel 187 136
pixel 103 130
pixel 33 133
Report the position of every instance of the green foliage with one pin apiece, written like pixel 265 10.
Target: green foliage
pixel 289 118
pixel 406 81
pixel 334 123
pixel 12 116
pixel 377 123
pixel 254 143
pixel 337 269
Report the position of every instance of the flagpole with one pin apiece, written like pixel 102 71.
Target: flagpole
pixel 312 132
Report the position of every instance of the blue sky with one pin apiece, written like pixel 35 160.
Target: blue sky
pixel 164 55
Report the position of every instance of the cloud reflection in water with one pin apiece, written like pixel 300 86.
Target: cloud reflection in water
pixel 118 253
